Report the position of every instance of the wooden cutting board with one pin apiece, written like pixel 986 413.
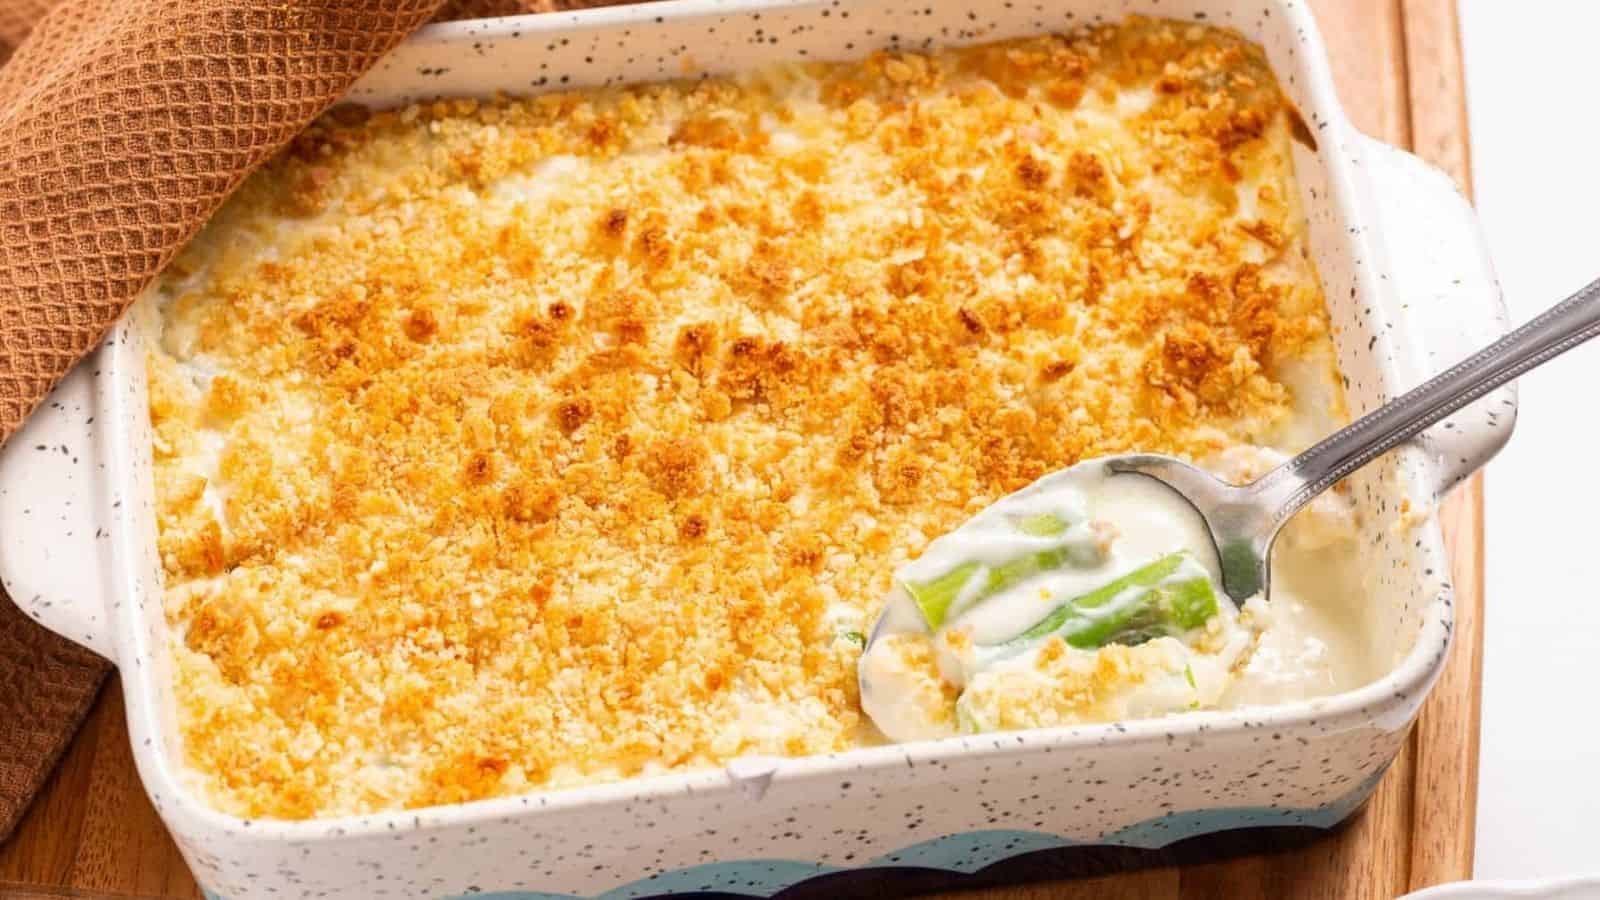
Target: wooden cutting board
pixel 93 834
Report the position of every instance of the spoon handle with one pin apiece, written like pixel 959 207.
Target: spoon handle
pixel 1554 332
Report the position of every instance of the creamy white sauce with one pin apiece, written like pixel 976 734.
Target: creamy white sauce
pixel 1139 512
pixel 1300 644
pixel 546 178
pixel 1313 647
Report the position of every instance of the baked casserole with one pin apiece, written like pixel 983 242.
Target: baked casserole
pixel 521 444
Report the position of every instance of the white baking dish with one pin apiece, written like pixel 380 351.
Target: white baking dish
pixel 1409 288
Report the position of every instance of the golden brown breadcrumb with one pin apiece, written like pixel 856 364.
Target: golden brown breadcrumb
pixel 552 440
pixel 1066 687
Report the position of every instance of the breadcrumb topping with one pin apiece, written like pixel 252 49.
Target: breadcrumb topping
pixel 1063 686
pixel 546 441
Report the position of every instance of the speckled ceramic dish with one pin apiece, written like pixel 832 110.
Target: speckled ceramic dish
pixel 1409 288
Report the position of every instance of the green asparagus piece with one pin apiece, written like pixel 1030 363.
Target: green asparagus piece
pixel 1163 607
pixel 935 597
pixel 1042 525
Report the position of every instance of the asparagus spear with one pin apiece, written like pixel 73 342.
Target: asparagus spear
pixel 935 596
pixel 1166 597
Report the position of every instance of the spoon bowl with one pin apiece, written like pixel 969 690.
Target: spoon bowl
pixel 1241 527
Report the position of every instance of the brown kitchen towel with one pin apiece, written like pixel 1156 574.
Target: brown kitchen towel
pixel 47 684
pixel 123 125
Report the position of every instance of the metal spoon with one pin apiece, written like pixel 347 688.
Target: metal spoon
pixel 1244 519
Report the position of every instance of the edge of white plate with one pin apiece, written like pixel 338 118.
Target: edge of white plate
pixel 1579 888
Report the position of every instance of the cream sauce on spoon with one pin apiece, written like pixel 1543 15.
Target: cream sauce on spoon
pixel 1124 565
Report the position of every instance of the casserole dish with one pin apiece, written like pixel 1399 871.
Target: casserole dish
pixel 1406 281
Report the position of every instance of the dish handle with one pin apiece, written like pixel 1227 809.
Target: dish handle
pixel 55 545
pixel 1442 280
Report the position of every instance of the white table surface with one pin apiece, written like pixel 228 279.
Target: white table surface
pixel 1533 70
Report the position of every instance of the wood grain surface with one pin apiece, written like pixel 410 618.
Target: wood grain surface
pixel 93 834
